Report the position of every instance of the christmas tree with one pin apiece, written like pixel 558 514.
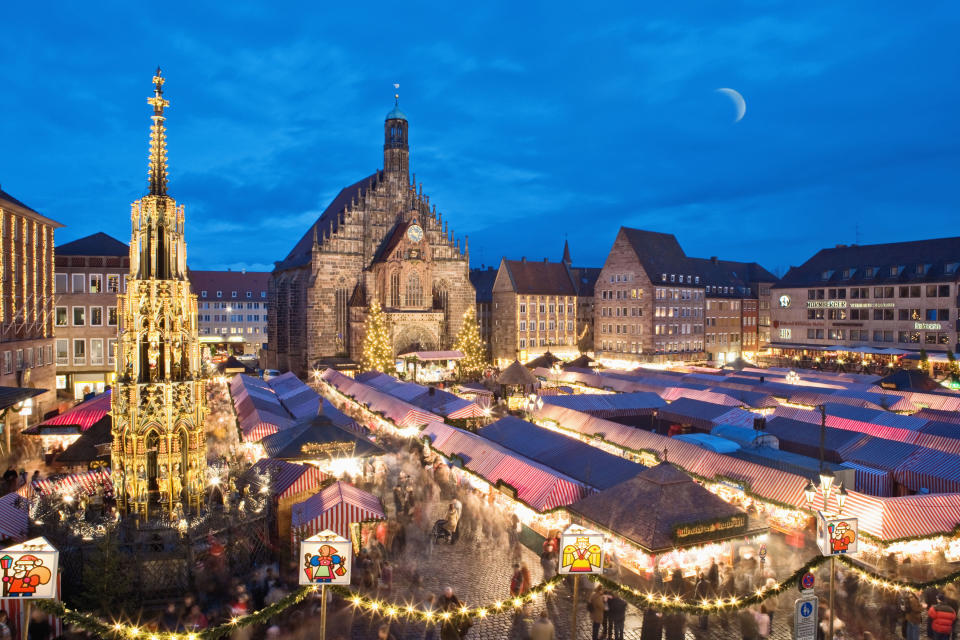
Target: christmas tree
pixel 377 350
pixel 469 343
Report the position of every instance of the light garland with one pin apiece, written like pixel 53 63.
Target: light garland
pixel 392 610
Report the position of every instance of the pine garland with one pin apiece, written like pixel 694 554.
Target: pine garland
pixel 663 602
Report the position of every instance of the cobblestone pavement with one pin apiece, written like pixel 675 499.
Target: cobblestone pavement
pixel 480 573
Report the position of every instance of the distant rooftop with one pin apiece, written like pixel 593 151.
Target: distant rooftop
pixel 97 244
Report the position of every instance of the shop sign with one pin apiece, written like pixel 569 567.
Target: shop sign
pixel 325 559
pixel 826 304
pixel 837 536
pixel 29 570
pixel 784 301
pixel 929 326
pixel 581 551
pixel 687 533
pixel 872 305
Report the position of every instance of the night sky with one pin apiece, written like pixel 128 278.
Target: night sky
pixel 527 125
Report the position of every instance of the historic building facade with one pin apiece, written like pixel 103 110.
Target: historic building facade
pixel 654 303
pixel 900 296
pixel 89 275
pixel 539 307
pixel 379 239
pixel 232 309
pixel 158 454
pixel 26 300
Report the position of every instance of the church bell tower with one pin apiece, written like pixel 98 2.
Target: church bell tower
pixel 158 454
pixel 396 151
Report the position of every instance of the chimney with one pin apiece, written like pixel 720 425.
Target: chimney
pixel 714 259
pixel 544 259
pixel 523 258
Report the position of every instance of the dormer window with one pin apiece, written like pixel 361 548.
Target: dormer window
pixel 673 277
pixel 846 274
pixel 696 279
pixel 951 267
pixel 663 277
pixel 894 270
pixel 826 274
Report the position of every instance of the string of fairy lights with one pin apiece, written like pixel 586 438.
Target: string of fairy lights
pixel 395 611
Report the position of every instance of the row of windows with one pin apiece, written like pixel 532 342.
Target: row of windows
pixel 628 294
pixel 620 328
pixel 894 270
pixel 233 318
pixel 617 312
pixel 902 315
pixel 546 308
pixel 679 347
pixel 80 355
pixel 621 346
pixel 674 278
pixel 232 330
pixel 544 342
pixel 545 326
pixel 723 338
pixel 27 358
pixel 88 283
pixel 678 294
pixel 79 316
pixel 721 305
pixel 678 312
pixel 677 329
pixel 228 305
pixel 864 335
pixel 859 293
pixel 233 294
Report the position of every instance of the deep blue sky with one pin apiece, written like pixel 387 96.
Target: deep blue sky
pixel 529 122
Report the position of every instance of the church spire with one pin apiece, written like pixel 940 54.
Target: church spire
pixel 566 253
pixel 158 139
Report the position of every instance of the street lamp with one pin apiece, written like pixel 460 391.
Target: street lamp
pixel 841 498
pixel 810 492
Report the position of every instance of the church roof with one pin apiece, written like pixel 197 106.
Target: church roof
pixel 97 244
pixel 326 224
pixel 393 239
pixel 482 281
pixel 396 113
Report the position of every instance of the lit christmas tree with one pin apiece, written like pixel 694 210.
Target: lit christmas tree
pixel 469 343
pixel 377 350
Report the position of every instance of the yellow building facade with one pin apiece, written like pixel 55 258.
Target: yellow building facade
pixel 159 449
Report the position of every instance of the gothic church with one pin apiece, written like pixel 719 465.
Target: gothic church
pixel 380 239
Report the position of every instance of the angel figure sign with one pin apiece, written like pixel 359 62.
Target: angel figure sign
pixel 325 559
pixel 581 551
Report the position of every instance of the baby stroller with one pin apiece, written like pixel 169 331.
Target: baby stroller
pixel 440 533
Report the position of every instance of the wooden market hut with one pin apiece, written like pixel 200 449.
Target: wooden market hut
pixel 286 484
pixel 318 438
pixel 546 361
pixel 518 378
pixel 661 511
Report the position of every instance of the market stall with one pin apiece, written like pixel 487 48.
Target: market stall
pixel 429 366
pixel 662 520
pixel 319 442
pixel 62 430
pixel 342 508
pixel 286 483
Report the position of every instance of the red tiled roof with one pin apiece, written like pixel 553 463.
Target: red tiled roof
pixel 551 278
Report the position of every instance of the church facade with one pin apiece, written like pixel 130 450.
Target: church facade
pixel 380 239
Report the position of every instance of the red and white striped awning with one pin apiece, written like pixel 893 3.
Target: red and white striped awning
pixel 335 508
pixel 286 478
pixel 80 417
pixel 472 410
pixel 87 481
pixel 14 517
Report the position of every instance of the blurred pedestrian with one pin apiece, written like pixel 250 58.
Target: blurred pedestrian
pixel 652 625
pixel 942 616
pixel 595 607
pixel 617 608
pixel 543 629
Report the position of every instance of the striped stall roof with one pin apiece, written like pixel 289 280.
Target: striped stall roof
pixel 87 481
pixel 675 393
pixel 286 478
pixel 938 415
pixel 804 438
pixel 874 482
pixel 935 471
pixel 938 401
pixel 942 436
pixel 82 416
pixel 259 410
pixel 538 486
pixel 709 442
pixel 14 518
pixel 878 453
pixel 886 518
pixel 335 508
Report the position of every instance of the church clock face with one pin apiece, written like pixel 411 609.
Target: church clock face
pixel 415 233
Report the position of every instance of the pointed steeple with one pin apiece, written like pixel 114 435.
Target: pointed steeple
pixel 566 253
pixel 158 139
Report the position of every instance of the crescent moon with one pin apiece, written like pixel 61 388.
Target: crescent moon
pixel 738 102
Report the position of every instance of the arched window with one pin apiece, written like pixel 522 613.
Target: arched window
pixel 395 289
pixel 414 291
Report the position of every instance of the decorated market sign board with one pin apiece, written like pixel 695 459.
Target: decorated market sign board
pixel 29 570
pixel 331 449
pixel 837 536
pixel 805 618
pixel 581 551
pixel 710 529
pixel 325 559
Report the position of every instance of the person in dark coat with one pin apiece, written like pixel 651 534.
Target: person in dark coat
pixel 674 624
pixel 451 628
pixel 652 626
pixel 618 616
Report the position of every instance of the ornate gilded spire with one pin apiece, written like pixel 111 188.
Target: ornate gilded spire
pixel 158 139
